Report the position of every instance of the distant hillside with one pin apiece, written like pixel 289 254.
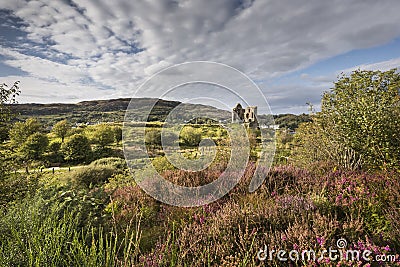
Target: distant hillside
pixel 112 110
pixel 291 121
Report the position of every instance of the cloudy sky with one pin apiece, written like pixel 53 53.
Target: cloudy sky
pixel 73 50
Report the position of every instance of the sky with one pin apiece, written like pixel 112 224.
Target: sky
pixel 74 50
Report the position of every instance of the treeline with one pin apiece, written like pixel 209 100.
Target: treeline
pixel 291 121
pixel 28 142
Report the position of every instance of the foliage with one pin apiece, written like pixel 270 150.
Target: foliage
pixel 7 96
pixel 35 232
pixel 92 175
pixel 153 137
pixel 116 163
pixel 190 136
pixel 61 129
pixel 358 126
pixel 55 154
pixel 20 131
pixel 17 186
pixel 162 164
pixel 117 133
pixel 284 145
pixel 103 135
pixel 77 148
pixel 34 147
pixel 291 121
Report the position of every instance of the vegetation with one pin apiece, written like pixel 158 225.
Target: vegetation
pixel 77 148
pixel 7 97
pixel 61 129
pixel 359 124
pixel 190 136
pixel 337 176
pixel 112 110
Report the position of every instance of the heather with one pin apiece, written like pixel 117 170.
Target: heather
pixel 69 198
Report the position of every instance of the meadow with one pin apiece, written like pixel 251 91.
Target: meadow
pixel 335 177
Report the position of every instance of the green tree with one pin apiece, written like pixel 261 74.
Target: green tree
pixel 34 147
pixel 190 136
pixel 7 96
pixel 76 148
pixel 359 122
pixel 55 154
pixel 20 131
pixel 61 129
pixel 103 135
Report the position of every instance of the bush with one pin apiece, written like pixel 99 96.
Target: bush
pixel 17 186
pixel 92 175
pixel 190 136
pixel 153 138
pixel 162 164
pixel 116 163
pixel 358 126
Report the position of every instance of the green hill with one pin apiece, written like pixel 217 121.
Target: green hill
pixel 112 110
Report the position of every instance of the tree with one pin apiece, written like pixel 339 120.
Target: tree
pixel 103 135
pixel 20 131
pixel 35 146
pixel 61 129
pixel 359 122
pixel 7 96
pixel 76 148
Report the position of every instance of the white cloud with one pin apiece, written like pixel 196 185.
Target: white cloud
pixel 34 90
pixel 383 66
pixel 265 39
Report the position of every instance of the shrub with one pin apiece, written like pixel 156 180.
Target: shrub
pixel 190 136
pixel 153 137
pixel 92 175
pixel 358 126
pixel 162 164
pixel 116 163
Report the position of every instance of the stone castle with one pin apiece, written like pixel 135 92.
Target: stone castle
pixel 246 115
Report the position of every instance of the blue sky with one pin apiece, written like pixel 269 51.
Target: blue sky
pixel 69 51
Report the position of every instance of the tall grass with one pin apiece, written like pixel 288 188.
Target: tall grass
pixel 34 232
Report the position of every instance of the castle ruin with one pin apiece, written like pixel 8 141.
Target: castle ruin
pixel 246 115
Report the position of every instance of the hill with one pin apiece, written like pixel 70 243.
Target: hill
pixel 112 110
